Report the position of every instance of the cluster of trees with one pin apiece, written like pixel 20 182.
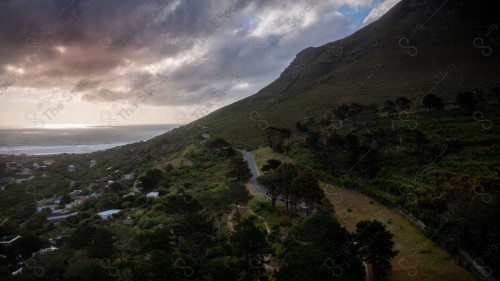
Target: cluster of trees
pixel 393 107
pixel 278 139
pixel 321 249
pixel 355 112
pixel 295 185
pixel 345 156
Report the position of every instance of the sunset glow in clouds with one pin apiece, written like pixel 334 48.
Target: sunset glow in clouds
pixel 150 62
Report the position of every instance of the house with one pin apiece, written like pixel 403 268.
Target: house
pixel 48 161
pixel 51 207
pixel 153 194
pixel 107 214
pixel 129 176
pixel 94 194
pixel 75 192
pixel 92 163
pixel 71 168
pixel 128 221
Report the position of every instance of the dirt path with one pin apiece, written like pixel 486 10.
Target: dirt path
pixel 264 221
pixel 230 225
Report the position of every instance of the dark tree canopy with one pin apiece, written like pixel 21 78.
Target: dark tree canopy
pixel 376 245
pixel 433 102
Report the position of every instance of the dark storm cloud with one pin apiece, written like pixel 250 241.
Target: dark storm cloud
pixel 177 52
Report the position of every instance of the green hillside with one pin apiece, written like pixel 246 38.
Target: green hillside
pixel 418 47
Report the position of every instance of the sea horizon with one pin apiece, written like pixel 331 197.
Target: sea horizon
pixel 78 140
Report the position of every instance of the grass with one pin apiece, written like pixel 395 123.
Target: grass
pixel 261 155
pixel 261 205
pixel 418 258
pixel 178 161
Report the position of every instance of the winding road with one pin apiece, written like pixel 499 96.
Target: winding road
pixel 257 186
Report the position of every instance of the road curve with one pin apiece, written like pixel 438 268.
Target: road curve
pixel 257 186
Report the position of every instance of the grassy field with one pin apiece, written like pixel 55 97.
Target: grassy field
pixel 261 155
pixel 262 207
pixel 418 258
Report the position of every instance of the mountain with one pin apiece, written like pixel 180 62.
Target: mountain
pixel 416 48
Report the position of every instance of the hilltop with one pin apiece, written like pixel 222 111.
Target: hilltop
pixel 418 47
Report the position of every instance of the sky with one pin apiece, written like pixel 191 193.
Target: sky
pixel 129 62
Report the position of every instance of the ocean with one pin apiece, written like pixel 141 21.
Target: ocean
pixel 75 140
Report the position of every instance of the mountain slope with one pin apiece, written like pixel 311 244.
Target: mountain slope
pixel 418 47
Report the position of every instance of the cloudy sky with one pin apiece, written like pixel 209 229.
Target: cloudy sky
pixel 129 62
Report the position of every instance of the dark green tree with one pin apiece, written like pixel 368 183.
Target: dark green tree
pixel 65 199
pixel 306 188
pixel 272 181
pixel 403 103
pixel 239 170
pixel 101 244
pixel 286 173
pixel 467 100
pixel 433 102
pixel 272 164
pixel 151 179
pixel 376 245
pixel 237 194
pixel 320 249
pixel 251 246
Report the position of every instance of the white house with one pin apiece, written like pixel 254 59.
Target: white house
pixel 92 163
pixel 75 192
pixel 152 194
pixel 71 168
pixel 107 214
pixel 129 176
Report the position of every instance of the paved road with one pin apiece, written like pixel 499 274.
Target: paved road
pixel 257 186
pixel 255 173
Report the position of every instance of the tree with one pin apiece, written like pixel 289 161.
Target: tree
pixel 403 103
pixel 376 245
pixel 301 127
pixel 169 168
pixel 272 164
pixel 286 173
pixel 467 100
pixel 151 179
pixel 115 187
pixel 390 107
pixel 250 244
pixel 273 184
pixel 433 102
pixel 342 112
pixel 320 249
pixel 101 244
pixel 220 147
pixel 277 138
pixel 239 169
pixel 65 199
pixel 237 194
pixel 183 204
pixel 306 187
